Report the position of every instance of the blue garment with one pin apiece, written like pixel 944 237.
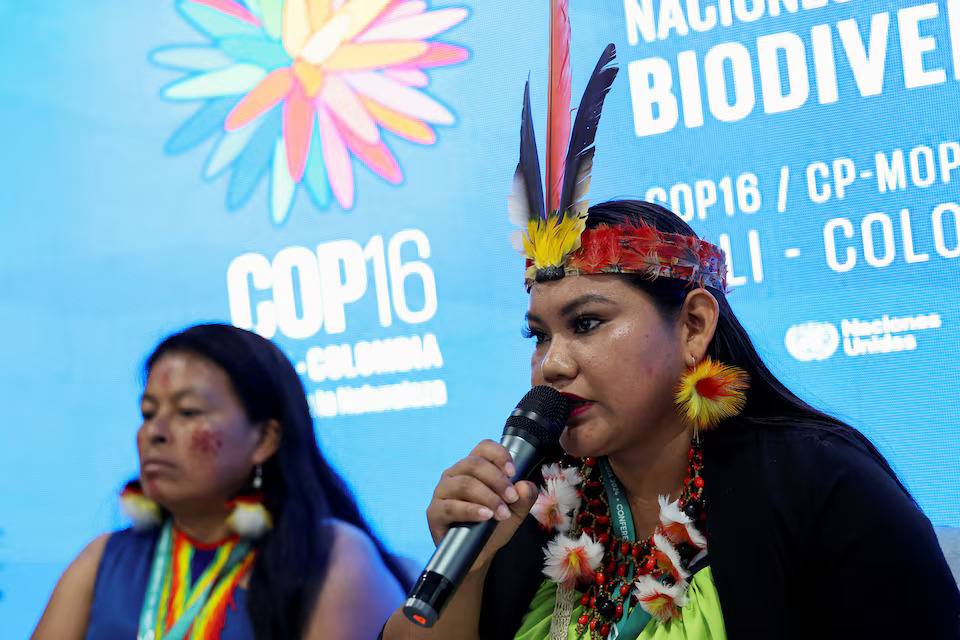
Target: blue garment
pixel 121 585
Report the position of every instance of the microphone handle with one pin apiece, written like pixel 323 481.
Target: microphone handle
pixel 460 547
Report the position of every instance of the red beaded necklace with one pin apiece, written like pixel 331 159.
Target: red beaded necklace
pixel 624 561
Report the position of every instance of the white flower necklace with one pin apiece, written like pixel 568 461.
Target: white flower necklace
pixel 594 552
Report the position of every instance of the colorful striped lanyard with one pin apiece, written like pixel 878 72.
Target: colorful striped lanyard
pixel 161 561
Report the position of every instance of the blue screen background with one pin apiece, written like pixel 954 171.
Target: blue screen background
pixel 113 239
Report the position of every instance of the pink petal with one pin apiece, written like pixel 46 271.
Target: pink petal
pixel 418 27
pixel 410 77
pixel 405 9
pixel 337 158
pixel 438 55
pixel 396 12
pixel 231 9
pixel 376 156
pixel 341 100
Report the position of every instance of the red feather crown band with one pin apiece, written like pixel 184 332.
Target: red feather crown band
pixel 640 249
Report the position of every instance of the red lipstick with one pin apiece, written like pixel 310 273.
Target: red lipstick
pixel 578 405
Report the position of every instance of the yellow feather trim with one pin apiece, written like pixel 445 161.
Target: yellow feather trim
pixel 548 243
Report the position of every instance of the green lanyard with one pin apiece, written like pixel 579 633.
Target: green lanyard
pixel 161 559
pixel 632 623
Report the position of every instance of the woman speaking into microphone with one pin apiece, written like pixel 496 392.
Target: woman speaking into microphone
pixel 696 496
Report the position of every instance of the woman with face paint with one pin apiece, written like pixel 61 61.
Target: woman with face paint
pixel 241 528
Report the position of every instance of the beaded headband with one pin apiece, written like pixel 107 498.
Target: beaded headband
pixel 554 237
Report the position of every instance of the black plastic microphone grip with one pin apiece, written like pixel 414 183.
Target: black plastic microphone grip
pixel 532 429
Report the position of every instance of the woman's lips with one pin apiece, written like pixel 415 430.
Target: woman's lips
pixel 578 409
pixel 578 405
pixel 155 466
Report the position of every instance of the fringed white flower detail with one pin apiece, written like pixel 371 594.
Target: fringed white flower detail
pixel 677 526
pixel 249 519
pixel 142 511
pixel 554 505
pixel 659 600
pixel 570 475
pixel 569 560
pixel 667 558
pixel 558 497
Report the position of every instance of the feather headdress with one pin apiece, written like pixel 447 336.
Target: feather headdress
pixel 553 219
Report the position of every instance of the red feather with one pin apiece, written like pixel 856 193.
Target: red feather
pixel 590 257
pixel 558 102
pixel 608 239
pixel 600 247
pixel 642 237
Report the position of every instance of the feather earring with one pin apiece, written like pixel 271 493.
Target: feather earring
pixel 143 512
pixel 709 392
pixel 248 517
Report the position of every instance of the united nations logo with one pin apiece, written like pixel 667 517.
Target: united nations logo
pixel 812 341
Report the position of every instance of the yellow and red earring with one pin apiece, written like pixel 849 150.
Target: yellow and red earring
pixel 709 392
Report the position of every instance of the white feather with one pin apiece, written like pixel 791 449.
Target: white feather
pixel 142 511
pixel 516 241
pixel 249 521
pixel 582 184
pixel 517 205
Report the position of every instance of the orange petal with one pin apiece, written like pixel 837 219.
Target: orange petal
pixel 263 97
pixel 399 123
pixel 373 55
pixel 298 130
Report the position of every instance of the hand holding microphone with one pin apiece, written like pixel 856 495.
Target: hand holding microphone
pixel 481 500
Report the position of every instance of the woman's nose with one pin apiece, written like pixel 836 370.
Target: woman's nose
pixel 558 363
pixel 156 429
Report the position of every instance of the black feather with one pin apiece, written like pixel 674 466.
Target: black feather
pixel 529 165
pixel 585 124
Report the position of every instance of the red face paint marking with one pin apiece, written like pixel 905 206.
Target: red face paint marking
pixel 206 442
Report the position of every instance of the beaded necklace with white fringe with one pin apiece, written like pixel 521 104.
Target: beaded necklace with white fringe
pixel 651 573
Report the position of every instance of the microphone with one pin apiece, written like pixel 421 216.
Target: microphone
pixel 532 429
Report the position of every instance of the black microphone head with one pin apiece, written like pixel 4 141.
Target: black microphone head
pixel 541 414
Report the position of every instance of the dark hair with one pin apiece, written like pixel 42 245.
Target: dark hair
pixel 769 402
pixel 300 488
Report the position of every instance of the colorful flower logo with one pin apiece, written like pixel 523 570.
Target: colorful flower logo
pixel 299 88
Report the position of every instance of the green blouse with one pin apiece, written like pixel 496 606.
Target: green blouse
pixel 701 618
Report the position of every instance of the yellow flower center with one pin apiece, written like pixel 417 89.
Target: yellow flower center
pixel 310 76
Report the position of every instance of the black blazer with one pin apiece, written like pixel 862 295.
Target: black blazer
pixel 809 537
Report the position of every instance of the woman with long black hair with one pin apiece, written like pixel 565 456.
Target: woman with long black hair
pixel 241 528
pixel 695 496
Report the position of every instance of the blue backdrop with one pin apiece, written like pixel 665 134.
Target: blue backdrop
pixel 172 162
